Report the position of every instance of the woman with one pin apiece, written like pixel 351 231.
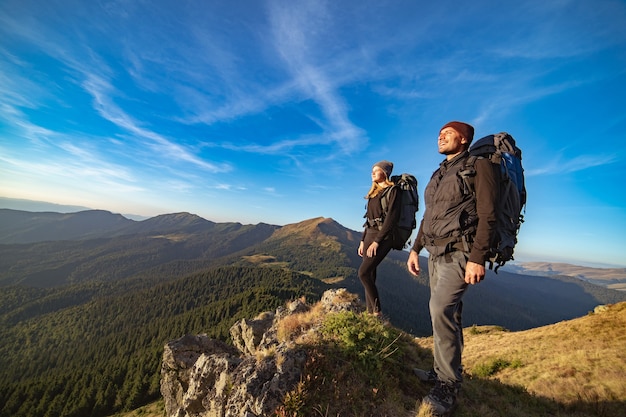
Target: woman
pixel 376 239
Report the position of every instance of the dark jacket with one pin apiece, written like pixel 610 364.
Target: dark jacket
pixel 454 219
pixel 384 225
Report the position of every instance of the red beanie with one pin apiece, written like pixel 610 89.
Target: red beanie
pixel 467 131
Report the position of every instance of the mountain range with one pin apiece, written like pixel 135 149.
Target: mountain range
pixel 129 286
pixel 47 249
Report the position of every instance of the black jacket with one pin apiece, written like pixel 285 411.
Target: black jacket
pixel 452 213
pixel 384 225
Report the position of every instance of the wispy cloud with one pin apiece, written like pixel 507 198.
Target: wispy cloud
pixel 567 29
pixel 508 99
pixel 101 91
pixel 560 165
pixel 78 166
pixel 294 30
pixel 95 75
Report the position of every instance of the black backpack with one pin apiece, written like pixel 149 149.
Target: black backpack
pixel 501 150
pixel 406 185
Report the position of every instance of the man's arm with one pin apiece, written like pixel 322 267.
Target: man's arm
pixel 486 188
pixel 413 262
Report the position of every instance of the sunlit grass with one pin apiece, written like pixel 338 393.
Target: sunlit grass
pixel 358 367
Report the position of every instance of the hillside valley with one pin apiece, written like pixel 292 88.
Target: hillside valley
pixel 613 278
pixel 126 287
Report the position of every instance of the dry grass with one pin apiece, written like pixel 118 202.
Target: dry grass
pixel 155 409
pixel 575 368
pixel 295 327
pixel 333 280
pixel 174 237
pixel 567 361
pixel 265 260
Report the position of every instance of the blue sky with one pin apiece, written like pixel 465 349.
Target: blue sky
pixel 275 111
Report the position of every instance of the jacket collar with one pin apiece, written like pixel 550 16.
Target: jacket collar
pixel 446 164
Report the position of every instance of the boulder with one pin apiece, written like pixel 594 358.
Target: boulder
pixel 203 377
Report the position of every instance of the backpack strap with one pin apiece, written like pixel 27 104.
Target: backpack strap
pixel 384 199
pixel 467 174
pixel 384 202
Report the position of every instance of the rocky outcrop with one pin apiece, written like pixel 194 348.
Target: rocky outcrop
pixel 202 377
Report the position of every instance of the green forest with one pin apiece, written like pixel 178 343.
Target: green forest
pixel 95 348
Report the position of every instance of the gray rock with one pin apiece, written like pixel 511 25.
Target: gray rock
pixel 202 377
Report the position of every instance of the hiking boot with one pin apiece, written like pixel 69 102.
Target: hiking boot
pixel 442 398
pixel 429 377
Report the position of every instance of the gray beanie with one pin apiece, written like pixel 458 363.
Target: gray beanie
pixel 386 166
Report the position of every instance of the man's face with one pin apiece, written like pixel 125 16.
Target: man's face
pixel 450 142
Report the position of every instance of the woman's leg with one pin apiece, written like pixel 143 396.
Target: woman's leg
pixel 367 272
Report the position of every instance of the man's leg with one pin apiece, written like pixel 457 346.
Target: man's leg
pixel 447 287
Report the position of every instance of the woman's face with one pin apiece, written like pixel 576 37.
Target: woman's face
pixel 378 175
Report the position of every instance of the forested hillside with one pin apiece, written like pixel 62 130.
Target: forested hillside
pixel 104 355
pixel 84 320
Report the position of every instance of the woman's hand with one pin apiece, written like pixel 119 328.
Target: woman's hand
pixel 360 250
pixel 371 250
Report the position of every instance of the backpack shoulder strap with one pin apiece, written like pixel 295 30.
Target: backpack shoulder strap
pixel 468 173
pixel 384 198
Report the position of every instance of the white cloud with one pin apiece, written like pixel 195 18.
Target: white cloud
pixel 560 165
pixel 102 91
pixel 294 30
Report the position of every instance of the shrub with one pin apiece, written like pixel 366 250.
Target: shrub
pixel 362 338
pixel 493 366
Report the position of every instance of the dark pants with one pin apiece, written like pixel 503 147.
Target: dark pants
pixel 367 270
pixel 447 287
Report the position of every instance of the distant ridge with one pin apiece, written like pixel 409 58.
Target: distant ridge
pixel 37 206
pixel 175 222
pixel 319 228
pixel 614 278
pixel 27 227
pixel 54 249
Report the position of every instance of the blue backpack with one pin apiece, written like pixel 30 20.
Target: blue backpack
pixel 501 149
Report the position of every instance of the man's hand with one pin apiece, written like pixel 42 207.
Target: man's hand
pixel 413 263
pixel 474 273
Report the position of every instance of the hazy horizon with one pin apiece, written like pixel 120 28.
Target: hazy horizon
pixel 43 206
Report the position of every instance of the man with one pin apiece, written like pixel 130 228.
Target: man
pixel 457 230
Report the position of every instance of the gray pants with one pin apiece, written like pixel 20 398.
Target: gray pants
pixel 447 287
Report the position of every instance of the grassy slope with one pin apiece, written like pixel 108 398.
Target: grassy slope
pixel 579 365
pixel 574 368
